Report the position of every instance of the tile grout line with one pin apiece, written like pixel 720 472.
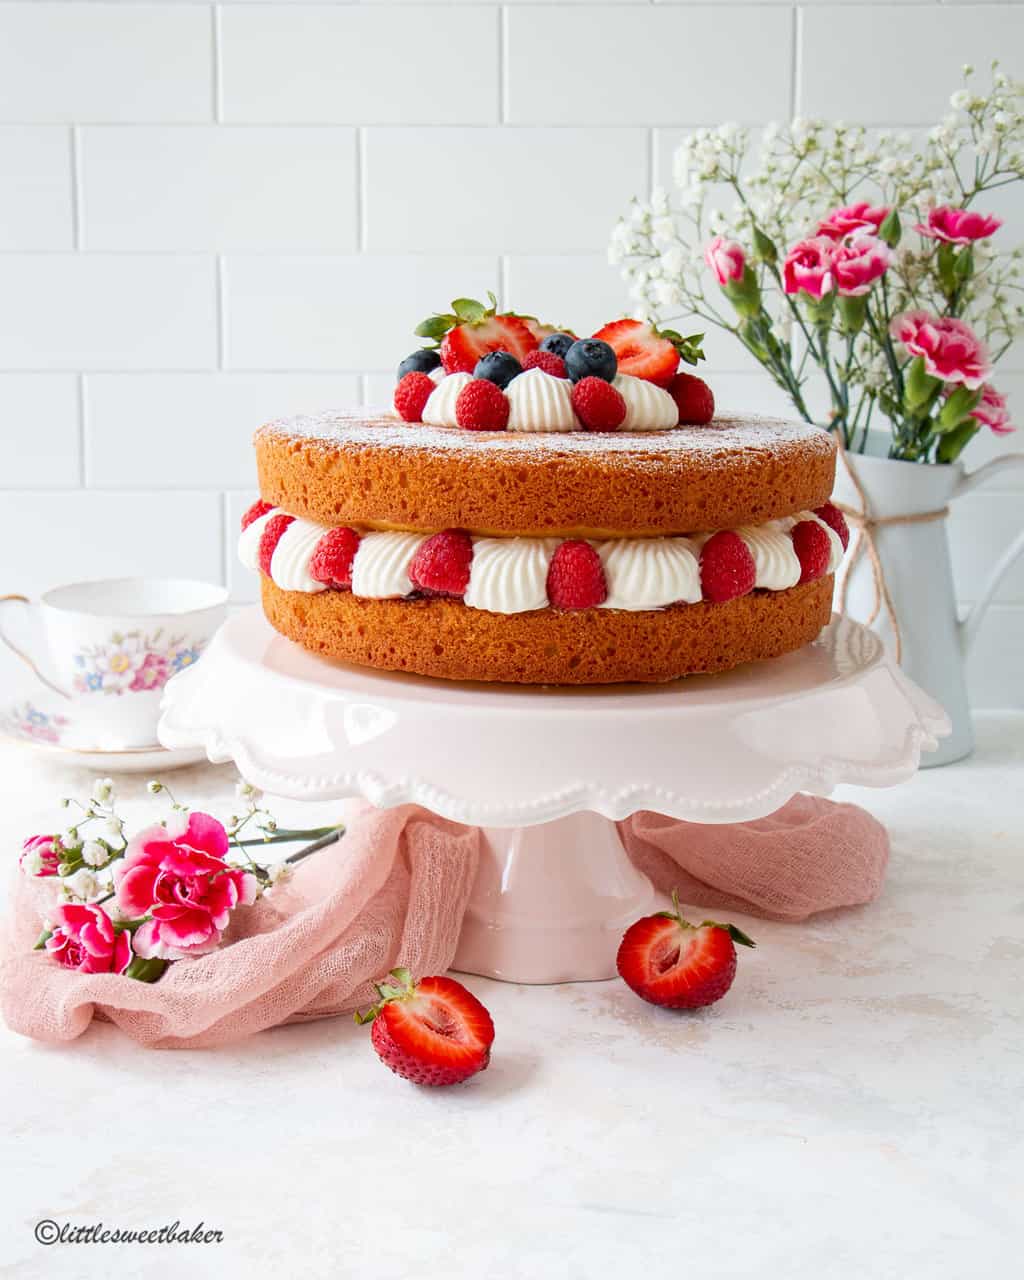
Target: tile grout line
pixel 502 65
pixel 215 69
pixel 360 185
pixel 651 161
pixel 74 143
pixel 83 479
pixel 796 57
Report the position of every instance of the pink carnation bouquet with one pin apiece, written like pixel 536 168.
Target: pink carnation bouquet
pixel 864 272
pixel 128 903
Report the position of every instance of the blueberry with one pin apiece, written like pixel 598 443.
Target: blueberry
pixel 557 343
pixel 591 358
pixel 421 361
pixel 498 367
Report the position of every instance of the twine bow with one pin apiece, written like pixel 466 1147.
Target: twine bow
pixel 865 524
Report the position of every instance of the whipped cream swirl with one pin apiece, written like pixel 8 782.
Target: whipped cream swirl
pixel 540 402
pixel 649 573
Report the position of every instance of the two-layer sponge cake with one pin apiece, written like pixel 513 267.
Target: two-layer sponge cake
pixel 545 520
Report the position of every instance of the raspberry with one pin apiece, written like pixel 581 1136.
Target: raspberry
pixel 481 406
pixel 813 548
pixel 548 361
pixel 576 576
pixel 836 521
pixel 411 396
pixel 598 405
pixel 726 567
pixel 331 562
pixel 269 539
pixel 694 399
pixel 258 508
pixel 441 566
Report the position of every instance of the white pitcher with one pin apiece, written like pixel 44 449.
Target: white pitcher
pixel 919 576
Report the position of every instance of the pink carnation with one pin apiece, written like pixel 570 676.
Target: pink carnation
pixel 43 852
pixel 84 938
pixel 181 879
pixel 853 217
pixel 726 259
pixel 808 267
pixel 950 349
pixel 991 410
pixel 959 226
pixel 858 262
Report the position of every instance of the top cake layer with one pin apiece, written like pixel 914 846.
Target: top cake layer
pixel 367 468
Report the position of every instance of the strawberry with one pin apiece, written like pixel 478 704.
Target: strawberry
pixel 269 539
pixel 694 399
pixel 813 549
pixel 727 568
pixel 547 361
pixel 669 962
pixel 539 329
pixel 576 576
pixel 412 394
pixel 432 1032
pixel 835 520
pixel 598 405
pixel 471 330
pixel 332 557
pixel 441 565
pixel 481 406
pixel 645 352
pixel 258 508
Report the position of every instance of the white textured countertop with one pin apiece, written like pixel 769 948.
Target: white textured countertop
pixel 852 1109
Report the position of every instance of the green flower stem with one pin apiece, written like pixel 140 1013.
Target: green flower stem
pixel 288 836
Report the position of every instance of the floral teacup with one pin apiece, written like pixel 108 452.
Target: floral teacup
pixel 112 645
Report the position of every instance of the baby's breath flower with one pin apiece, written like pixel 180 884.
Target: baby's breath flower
pixel 103 790
pixel 153 787
pixel 83 885
pixel 95 854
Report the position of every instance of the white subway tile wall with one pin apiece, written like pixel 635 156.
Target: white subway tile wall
pixel 212 215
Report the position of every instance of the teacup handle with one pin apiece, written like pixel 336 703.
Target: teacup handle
pixel 26 658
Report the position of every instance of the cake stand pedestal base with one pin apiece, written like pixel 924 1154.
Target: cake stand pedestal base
pixel 550 903
pixel 547 772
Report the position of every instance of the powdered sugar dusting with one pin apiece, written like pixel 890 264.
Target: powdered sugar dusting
pixel 381 429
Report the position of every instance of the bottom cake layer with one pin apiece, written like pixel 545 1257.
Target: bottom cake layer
pixel 446 639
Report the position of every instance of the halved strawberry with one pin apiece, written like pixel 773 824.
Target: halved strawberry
pixel 471 330
pixel 670 962
pixel 645 352
pixel 432 1032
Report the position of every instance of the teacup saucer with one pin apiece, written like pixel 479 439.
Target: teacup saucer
pixel 50 729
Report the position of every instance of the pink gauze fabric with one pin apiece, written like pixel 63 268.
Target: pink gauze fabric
pixel 394 892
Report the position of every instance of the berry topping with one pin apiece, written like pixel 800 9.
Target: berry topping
pixel 421 361
pixel 813 549
pixel 576 576
pixel 835 520
pixel 258 508
pixel 471 330
pixel 269 539
pixel 441 566
pixel 598 405
pixel 547 361
pixel 432 1032
pixel 694 398
pixel 589 358
pixel 411 396
pixel 331 562
pixel 481 406
pixel 669 962
pixel 557 343
pixel 498 367
pixel 645 352
pixel 726 567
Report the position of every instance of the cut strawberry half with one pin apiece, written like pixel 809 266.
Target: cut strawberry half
pixel 432 1032
pixel 472 329
pixel 645 352
pixel 669 962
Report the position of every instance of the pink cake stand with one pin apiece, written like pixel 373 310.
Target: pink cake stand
pixel 546 772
